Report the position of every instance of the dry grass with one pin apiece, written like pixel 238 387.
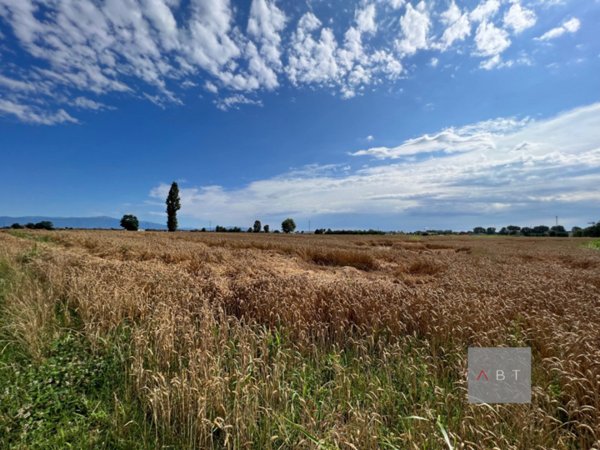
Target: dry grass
pixel 266 341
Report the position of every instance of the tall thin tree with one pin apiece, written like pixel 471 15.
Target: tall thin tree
pixel 173 205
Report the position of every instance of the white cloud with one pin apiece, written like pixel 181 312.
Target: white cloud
pixel 519 18
pixel 16 85
pixel 365 19
pixel 397 4
pixel 485 10
pixel 86 103
pixel 370 138
pixel 234 101
pixel 315 57
pixel 161 17
pixel 499 166
pixel 492 63
pixel 207 40
pixel 570 26
pixel 312 60
pixel 28 114
pixel 415 24
pixel 457 25
pixel 265 25
pixel 496 62
pixel 433 62
pixel 211 87
pixel 491 40
pixel 451 140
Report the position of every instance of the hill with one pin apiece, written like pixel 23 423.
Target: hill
pixel 77 222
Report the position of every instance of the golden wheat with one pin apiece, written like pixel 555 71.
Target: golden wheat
pixel 237 337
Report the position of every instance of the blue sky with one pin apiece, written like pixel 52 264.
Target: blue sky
pixel 387 114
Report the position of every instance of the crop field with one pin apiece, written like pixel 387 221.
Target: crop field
pixel 265 341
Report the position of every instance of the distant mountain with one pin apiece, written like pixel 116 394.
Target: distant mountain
pixel 77 222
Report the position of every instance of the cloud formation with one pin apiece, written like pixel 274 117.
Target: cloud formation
pixel 569 26
pixel 503 167
pixel 519 19
pixel 161 50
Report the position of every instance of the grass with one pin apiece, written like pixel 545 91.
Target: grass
pixel 67 395
pixel 38 237
pixel 594 244
pixel 66 400
pixel 201 340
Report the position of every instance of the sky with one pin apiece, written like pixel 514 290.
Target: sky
pixel 384 114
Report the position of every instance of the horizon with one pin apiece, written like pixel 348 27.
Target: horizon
pixel 388 114
pixel 24 220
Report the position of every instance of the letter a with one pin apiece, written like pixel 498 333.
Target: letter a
pixel 484 374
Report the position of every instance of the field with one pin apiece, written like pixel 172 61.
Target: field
pixel 209 340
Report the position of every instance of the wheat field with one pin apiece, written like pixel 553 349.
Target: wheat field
pixel 268 341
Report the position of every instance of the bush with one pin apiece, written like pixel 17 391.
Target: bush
pixel 16 226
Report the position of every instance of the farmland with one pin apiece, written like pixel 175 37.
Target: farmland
pixel 207 340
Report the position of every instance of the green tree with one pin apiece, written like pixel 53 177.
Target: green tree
pixel 288 225
pixel 479 230
pixel 513 229
pixel 173 205
pixel 266 228
pixel 558 231
pixel 44 225
pixel 16 226
pixel 490 230
pixel 257 226
pixel 130 222
pixel 592 231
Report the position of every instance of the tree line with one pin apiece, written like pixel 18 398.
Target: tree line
pixel 43 225
pixel 542 231
pixel 173 202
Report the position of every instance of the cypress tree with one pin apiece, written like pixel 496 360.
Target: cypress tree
pixel 173 205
